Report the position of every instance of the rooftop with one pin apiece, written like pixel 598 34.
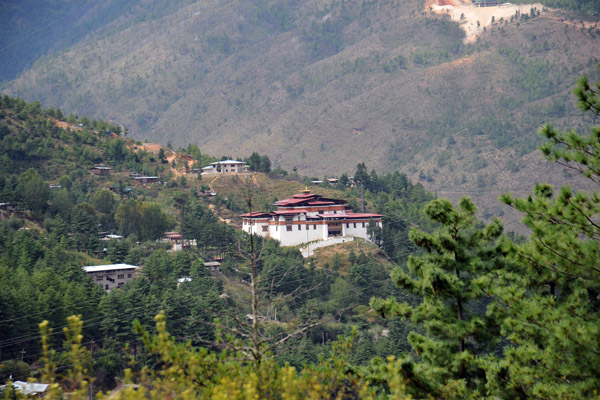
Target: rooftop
pixel 109 267
pixel 228 162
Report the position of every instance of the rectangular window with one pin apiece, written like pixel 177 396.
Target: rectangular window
pixel 355 224
pixel 299 227
pixel 363 224
pixel 120 284
pixel 106 287
pixel 288 227
pixel 347 225
pixel 99 277
pixel 129 275
pixel 121 276
pixel 314 227
pixel 264 228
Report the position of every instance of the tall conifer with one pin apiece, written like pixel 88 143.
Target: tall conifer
pixel 456 332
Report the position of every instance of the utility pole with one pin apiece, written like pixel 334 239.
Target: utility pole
pixel 22 354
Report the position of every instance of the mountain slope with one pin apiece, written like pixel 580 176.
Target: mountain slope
pixel 324 85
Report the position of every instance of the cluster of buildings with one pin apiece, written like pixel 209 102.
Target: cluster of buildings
pixel 301 219
pixel 218 167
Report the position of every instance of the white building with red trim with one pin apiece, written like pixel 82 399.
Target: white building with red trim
pixel 308 217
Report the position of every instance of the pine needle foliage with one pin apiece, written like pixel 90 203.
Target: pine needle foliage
pixel 447 359
pixel 550 305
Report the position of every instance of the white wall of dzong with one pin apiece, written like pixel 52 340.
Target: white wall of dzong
pixel 301 230
pixel 296 230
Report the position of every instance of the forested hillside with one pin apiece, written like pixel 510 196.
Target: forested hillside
pixel 472 313
pixel 390 97
pixel 55 216
pixel 33 29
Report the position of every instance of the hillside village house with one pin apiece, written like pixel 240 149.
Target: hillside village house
pixel 308 217
pixel 111 276
pixel 225 167
pixel 99 170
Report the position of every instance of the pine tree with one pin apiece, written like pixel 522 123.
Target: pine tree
pixel 550 305
pixel 447 276
pixel 361 178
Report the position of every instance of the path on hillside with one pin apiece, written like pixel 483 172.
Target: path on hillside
pixel 210 184
pixel 114 393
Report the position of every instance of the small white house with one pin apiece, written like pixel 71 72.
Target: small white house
pixel 225 167
pixel 111 276
pixel 29 388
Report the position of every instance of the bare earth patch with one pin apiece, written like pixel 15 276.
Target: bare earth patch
pixel 67 125
pixel 473 20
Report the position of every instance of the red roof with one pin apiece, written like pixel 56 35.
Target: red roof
pixel 289 201
pixel 308 199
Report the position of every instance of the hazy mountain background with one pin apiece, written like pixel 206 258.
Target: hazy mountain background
pixel 319 85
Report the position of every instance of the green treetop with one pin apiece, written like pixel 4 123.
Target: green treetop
pixel 457 331
pixel 550 306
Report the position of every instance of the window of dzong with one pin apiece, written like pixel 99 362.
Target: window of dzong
pixel 288 228
pixel 299 227
pixel 120 284
pixel 121 276
pixel 314 227
pixel 355 224
pixel 99 277
pixel 264 228
pixel 129 275
pixel 363 224
pixel 347 224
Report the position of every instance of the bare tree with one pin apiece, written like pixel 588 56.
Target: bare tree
pixel 248 334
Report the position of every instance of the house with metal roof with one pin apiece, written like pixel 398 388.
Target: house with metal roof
pixel 100 170
pixel 225 167
pixel 111 276
pixel 308 217
pixel 486 3
pixel 30 389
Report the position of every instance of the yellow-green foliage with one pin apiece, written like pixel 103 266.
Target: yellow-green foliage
pixel 187 372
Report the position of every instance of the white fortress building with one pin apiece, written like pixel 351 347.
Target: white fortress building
pixel 307 218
